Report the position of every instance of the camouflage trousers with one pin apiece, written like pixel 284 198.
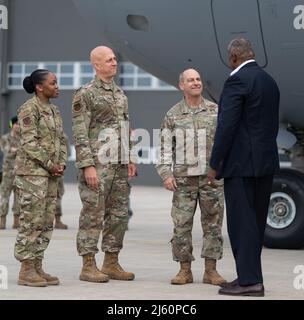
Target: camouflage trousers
pixel 105 209
pixel 60 194
pixel 37 198
pixel 190 191
pixel 6 189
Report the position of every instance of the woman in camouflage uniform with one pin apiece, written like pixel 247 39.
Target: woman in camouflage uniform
pixel 40 161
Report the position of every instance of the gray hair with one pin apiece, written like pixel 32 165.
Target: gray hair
pixel 181 77
pixel 242 48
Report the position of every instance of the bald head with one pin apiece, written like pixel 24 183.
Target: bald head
pixel 104 62
pixel 99 53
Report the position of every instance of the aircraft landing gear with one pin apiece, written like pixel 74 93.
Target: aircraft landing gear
pixel 285 222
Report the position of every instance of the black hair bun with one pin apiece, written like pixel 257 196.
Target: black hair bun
pixel 28 85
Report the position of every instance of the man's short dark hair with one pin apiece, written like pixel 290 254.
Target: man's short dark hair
pixel 242 48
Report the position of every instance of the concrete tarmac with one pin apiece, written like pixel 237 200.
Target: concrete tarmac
pixel 146 252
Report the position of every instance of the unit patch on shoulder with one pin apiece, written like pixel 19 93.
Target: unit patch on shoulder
pixel 77 107
pixel 27 121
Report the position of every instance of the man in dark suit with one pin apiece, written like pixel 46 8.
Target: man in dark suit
pixel 245 154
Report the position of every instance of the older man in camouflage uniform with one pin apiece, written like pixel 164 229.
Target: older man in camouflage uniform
pixel 9 144
pixel 99 110
pixel 190 127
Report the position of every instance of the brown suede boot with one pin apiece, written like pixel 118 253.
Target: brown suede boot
pixel 28 275
pixel 2 222
pixel 90 272
pixel 113 269
pixel 59 224
pixel 16 223
pixel 184 275
pixel 51 280
pixel 211 276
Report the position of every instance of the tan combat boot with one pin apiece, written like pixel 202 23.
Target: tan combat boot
pixel 211 276
pixel 2 222
pixel 90 272
pixel 28 275
pixel 113 269
pixel 51 280
pixel 184 275
pixel 16 223
pixel 59 224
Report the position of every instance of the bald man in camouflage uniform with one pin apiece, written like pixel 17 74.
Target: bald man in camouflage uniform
pixel 189 118
pixel 98 107
pixel 9 144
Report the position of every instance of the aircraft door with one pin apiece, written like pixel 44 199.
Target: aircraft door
pixel 236 18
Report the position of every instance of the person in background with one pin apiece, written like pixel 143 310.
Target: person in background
pixel 9 144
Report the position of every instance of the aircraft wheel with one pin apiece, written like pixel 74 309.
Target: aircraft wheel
pixel 285 222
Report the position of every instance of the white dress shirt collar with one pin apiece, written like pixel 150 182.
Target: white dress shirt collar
pixel 241 66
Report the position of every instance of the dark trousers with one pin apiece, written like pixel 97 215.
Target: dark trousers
pixel 247 201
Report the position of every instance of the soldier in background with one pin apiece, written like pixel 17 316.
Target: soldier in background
pixel 9 144
pixel 41 159
pixel 103 187
pixel 189 179
pixel 1 161
pixel 58 223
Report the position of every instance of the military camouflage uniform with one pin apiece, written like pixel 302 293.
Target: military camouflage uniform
pixel 9 144
pixel 191 179
pixel 42 147
pixel 60 192
pixel 98 106
pixel 1 161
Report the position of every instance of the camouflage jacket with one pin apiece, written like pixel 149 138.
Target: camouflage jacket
pixel 67 143
pixel 42 141
pixel 100 108
pixel 9 145
pixel 189 149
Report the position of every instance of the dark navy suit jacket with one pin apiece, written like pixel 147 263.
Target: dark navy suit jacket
pixel 245 139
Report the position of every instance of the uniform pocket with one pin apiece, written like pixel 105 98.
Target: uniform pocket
pixel 34 185
pixel 43 127
pixel 105 113
pixel 89 197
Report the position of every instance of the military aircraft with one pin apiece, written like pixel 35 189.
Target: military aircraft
pixel 165 37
